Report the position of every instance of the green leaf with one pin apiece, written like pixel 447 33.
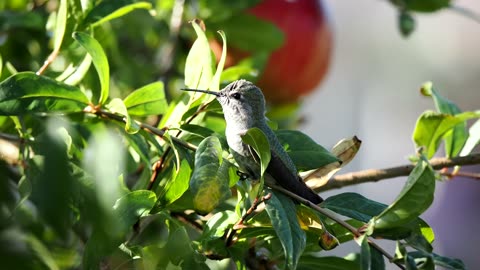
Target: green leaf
pixel 60 25
pixel 266 37
pixel 197 129
pixel 432 126
pixel 415 197
pixel 81 70
pixel 52 187
pixel 448 263
pixel 147 100
pixel 26 92
pixel 376 259
pixel 305 153
pixel 218 224
pixel 456 138
pixel 209 182
pixel 421 5
pixel 419 260
pixel 259 142
pixel 176 187
pixel 99 61
pixel 111 9
pixel 406 23
pixel 200 61
pixel 473 139
pixel 133 205
pixel 116 105
pixel 282 213
pixel 215 84
pixel 354 205
pixel 310 262
pixel 365 252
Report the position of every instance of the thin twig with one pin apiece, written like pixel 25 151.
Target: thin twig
pixel 335 218
pixel 147 127
pixel 47 62
pixel 471 175
pixel 374 175
pixel 240 223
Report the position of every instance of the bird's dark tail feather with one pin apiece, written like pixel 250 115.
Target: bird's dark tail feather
pixel 291 182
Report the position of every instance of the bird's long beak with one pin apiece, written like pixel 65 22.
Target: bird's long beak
pixel 202 91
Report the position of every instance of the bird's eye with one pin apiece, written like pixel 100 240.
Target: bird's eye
pixel 236 96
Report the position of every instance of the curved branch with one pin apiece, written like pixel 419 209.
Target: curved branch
pixel 374 175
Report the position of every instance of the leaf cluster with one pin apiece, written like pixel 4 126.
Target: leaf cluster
pixel 108 168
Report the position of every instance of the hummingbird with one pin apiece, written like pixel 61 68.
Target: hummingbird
pixel 243 106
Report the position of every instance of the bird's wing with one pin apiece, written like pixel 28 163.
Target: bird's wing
pixel 289 180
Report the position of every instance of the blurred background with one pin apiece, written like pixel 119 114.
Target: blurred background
pixel 372 91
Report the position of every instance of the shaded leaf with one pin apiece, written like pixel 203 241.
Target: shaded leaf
pixel 26 92
pixel 99 61
pixel 305 153
pixel 354 205
pixel 406 23
pixel 421 5
pixel 310 262
pixel 448 263
pixel 130 207
pixel 147 100
pixel 282 213
pixel 209 182
pixel 266 37
pixel 415 197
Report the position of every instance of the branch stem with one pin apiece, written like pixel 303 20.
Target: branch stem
pixel 337 219
pixel 374 175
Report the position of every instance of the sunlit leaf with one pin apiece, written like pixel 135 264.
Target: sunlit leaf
pixel 455 138
pixel 116 105
pixel 432 126
pixel 177 186
pixel 60 25
pixel 215 84
pixel 109 10
pixel 415 197
pixel 259 142
pixel 200 61
pixel 473 139
pixel 80 71
pixel 99 61
pixel 147 100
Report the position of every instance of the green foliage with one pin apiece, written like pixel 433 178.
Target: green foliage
pixel 106 176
